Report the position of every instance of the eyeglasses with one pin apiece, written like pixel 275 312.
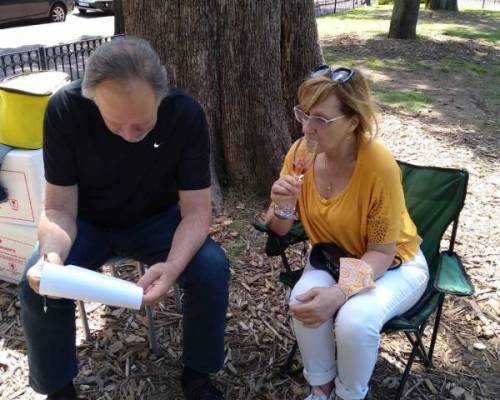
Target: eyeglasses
pixel 340 75
pixel 313 120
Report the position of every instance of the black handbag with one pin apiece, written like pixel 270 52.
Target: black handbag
pixel 326 256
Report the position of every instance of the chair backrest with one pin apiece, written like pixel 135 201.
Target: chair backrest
pixel 434 198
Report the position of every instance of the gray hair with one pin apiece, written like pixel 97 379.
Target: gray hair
pixel 125 59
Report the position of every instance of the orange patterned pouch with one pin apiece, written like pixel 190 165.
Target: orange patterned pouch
pixel 355 276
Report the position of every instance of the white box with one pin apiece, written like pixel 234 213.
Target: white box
pixel 17 243
pixel 21 174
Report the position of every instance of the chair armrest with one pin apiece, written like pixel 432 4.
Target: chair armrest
pixel 261 227
pixel 296 234
pixel 451 277
pixel 275 244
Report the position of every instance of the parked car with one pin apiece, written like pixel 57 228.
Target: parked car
pixel 94 5
pixel 23 10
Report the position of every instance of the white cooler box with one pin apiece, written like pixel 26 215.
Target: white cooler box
pixel 16 246
pixel 21 174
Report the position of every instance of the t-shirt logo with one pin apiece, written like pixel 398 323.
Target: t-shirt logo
pixel 156 145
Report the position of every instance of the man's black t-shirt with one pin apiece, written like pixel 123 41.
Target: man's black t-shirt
pixel 120 183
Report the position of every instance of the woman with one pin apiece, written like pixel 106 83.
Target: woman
pixel 352 196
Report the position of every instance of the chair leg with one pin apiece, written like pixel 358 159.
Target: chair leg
pixel 153 342
pixel 406 373
pixel 417 346
pixel 85 322
pixel 113 269
pixel 421 350
pixel 435 329
pixel 178 298
pixel 287 366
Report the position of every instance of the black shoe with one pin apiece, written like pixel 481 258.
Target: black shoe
pixel 68 392
pixel 201 389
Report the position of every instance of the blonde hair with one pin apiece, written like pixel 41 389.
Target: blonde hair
pixel 354 96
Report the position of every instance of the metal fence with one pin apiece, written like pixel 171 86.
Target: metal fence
pixel 68 57
pixel 323 7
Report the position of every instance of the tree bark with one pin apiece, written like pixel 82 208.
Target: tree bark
pixel 243 62
pixel 300 52
pixel 118 12
pixel 448 5
pixel 404 19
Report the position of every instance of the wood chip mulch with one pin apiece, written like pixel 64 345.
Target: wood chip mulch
pixel 117 363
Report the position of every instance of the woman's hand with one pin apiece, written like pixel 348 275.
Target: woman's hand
pixel 285 190
pixel 318 305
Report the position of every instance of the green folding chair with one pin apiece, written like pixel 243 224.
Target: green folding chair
pixel 434 198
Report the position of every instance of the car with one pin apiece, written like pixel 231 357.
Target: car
pixel 94 5
pixel 23 10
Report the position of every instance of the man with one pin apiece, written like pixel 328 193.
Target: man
pixel 127 170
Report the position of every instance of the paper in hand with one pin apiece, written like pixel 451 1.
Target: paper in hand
pixel 76 283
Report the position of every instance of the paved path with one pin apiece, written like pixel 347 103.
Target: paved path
pixel 76 27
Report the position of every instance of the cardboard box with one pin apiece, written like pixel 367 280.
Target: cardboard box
pixel 17 243
pixel 21 174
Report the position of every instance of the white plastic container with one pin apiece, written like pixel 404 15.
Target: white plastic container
pixel 17 243
pixel 22 175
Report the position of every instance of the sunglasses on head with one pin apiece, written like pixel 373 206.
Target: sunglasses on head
pixel 340 75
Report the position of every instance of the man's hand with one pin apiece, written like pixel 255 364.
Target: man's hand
pixel 319 305
pixel 35 272
pixel 156 282
pixel 33 275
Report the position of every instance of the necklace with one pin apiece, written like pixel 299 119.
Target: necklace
pixel 329 186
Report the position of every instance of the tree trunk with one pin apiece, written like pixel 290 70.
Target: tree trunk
pixel 449 5
pixel 300 52
pixel 243 62
pixel 404 19
pixel 119 23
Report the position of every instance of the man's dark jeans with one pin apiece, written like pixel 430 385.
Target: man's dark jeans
pixel 50 336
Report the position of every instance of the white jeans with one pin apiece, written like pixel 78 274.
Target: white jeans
pixel 357 326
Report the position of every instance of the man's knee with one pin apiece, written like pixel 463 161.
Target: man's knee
pixel 211 265
pixel 24 289
pixel 25 293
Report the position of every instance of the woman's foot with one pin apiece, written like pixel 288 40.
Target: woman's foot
pixel 323 392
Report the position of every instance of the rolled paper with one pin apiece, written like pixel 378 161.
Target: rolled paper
pixel 76 283
pixel 354 276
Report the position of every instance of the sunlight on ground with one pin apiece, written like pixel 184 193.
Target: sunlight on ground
pixel 355 21
pixel 375 20
pixel 457 46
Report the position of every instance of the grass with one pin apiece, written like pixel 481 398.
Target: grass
pixel 482 25
pixel 489 74
pixel 454 65
pixel 392 63
pixel 237 230
pixel 367 24
pixel 466 32
pixel 489 14
pixel 375 20
pixel 491 92
pixel 410 100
